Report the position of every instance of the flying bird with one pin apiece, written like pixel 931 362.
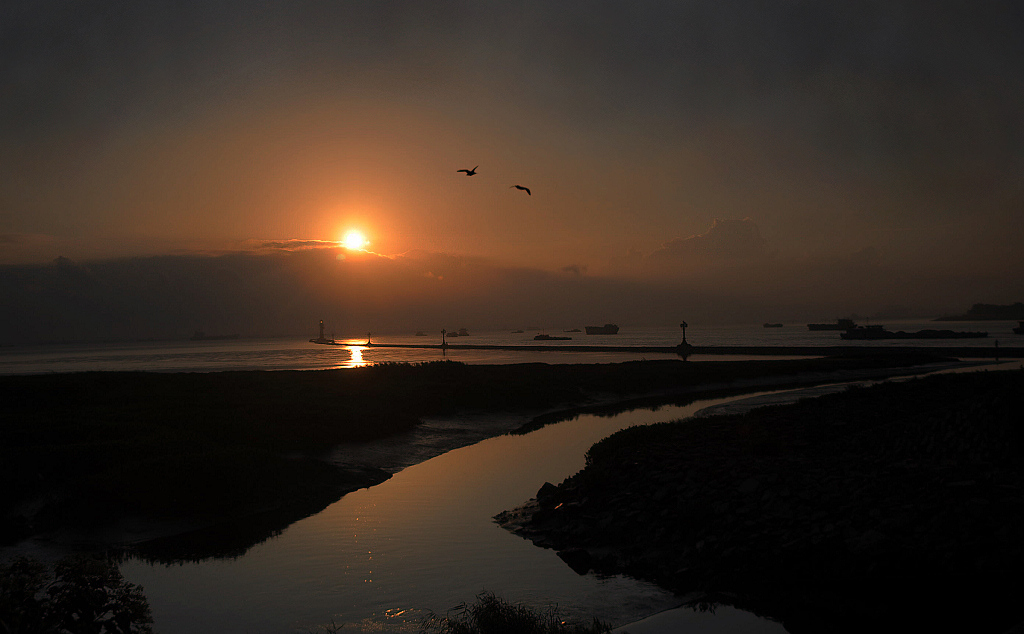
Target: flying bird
pixel 469 172
pixel 525 189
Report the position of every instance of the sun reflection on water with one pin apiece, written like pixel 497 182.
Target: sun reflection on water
pixel 355 348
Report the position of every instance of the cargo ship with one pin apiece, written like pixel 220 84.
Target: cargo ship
pixel 607 329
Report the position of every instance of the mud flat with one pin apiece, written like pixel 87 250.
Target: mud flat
pixel 109 457
pixel 897 507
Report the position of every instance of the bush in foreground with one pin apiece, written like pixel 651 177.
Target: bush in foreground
pixel 81 596
pixel 493 615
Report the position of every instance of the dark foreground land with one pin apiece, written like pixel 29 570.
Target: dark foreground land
pixel 242 451
pixel 898 507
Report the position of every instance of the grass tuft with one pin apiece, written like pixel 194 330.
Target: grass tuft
pixel 494 615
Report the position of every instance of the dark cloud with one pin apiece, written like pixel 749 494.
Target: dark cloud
pixel 867 257
pixel 69 60
pixel 290 245
pixel 727 241
pixel 286 293
pixel 94 65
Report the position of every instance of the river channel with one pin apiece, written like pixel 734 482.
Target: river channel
pixel 381 558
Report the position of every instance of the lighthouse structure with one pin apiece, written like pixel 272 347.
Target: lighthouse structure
pixel 684 349
pixel 322 338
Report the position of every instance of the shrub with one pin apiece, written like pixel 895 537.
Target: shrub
pixel 493 615
pixel 83 596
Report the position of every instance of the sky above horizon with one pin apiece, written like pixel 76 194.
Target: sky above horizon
pixel 707 142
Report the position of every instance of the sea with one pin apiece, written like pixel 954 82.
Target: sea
pixel 298 353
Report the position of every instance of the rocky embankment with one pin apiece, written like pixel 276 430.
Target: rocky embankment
pixel 895 506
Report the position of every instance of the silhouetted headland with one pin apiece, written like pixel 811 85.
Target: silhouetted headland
pixel 989 312
pixel 877 332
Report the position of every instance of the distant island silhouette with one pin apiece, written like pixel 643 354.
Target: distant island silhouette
pixel 879 332
pixel 989 312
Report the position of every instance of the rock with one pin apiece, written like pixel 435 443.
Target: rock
pixel 546 495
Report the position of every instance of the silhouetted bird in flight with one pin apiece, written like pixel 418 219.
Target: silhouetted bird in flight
pixel 469 172
pixel 525 189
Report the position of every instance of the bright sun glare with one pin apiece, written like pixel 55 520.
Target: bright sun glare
pixel 354 240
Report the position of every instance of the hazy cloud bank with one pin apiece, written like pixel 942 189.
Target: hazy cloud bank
pixel 726 242
pixel 285 292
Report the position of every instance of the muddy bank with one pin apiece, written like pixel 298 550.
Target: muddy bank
pixel 896 506
pixel 96 452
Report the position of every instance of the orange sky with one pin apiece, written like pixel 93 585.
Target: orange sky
pixel 882 136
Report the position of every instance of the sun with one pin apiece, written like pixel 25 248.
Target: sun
pixel 354 240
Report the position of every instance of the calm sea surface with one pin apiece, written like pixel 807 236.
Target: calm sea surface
pixel 298 354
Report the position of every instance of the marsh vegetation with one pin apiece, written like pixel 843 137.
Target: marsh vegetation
pixel 490 614
pixel 77 594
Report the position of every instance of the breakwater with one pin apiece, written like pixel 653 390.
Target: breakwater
pixel 970 352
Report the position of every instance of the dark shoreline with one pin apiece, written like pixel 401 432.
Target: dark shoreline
pixel 91 452
pixel 892 507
